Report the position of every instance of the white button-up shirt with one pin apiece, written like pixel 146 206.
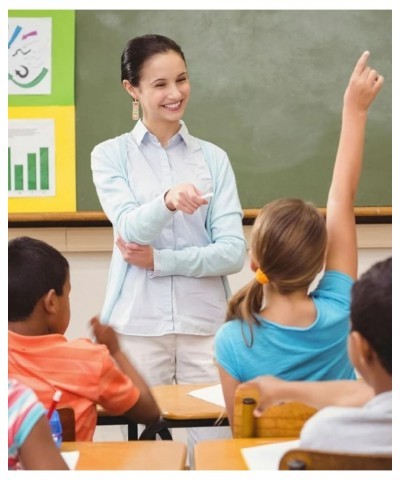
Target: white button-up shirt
pixel 185 293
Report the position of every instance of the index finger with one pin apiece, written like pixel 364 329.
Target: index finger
pixel 361 62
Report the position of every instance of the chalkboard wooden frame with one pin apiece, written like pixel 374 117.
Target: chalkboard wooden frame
pixel 362 214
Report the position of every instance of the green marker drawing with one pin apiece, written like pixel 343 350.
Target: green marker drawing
pixel 31 84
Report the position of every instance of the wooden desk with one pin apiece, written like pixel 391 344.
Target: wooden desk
pixel 128 455
pixel 180 410
pixel 226 454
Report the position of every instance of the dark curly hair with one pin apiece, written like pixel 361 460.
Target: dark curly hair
pixel 371 310
pixel 34 268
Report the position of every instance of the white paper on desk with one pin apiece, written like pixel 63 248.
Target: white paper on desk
pixel 71 458
pixel 266 457
pixel 211 394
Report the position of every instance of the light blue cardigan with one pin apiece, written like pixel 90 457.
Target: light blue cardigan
pixel 225 255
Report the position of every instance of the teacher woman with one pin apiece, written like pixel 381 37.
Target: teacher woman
pixel 173 203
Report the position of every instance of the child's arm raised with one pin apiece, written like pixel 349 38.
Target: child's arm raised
pixel 362 89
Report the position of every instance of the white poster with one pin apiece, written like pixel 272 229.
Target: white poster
pixel 29 56
pixel 31 160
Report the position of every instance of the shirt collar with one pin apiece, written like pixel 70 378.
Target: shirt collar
pixel 184 133
pixel 140 130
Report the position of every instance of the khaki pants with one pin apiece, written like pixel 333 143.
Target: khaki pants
pixel 176 358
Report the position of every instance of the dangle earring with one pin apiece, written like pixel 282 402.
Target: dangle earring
pixel 135 110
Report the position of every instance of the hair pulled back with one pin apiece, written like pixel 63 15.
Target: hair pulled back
pixel 288 242
pixel 139 49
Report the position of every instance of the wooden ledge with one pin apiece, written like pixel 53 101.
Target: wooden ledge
pixel 375 214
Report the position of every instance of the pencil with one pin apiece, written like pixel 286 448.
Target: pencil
pixel 56 399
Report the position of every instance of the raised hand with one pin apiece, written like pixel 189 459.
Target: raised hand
pixel 105 335
pixel 364 85
pixel 342 252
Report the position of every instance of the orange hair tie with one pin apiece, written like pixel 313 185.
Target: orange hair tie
pixel 261 277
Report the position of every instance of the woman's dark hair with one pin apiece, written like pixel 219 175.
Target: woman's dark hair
pixel 371 310
pixel 34 268
pixel 140 49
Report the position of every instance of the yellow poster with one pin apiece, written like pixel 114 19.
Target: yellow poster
pixel 41 159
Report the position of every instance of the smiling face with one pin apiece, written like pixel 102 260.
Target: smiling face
pixel 164 89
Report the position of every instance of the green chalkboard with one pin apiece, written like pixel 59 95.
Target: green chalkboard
pixel 267 87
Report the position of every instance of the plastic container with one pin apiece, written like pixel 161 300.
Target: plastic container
pixel 56 428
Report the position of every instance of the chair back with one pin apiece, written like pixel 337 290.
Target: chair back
pixel 304 459
pixel 67 419
pixel 285 420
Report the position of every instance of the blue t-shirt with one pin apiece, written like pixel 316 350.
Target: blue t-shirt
pixel 316 352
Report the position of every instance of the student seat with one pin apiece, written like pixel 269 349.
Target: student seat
pixel 285 420
pixel 305 459
pixel 67 419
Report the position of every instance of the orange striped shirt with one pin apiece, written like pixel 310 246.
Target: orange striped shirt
pixel 84 371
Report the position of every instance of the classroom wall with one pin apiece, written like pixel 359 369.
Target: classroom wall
pixel 89 250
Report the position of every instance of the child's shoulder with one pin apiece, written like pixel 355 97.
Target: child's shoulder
pixel 335 284
pixel 334 276
pixel 328 419
pixel 231 326
pixel 233 330
pixel 86 345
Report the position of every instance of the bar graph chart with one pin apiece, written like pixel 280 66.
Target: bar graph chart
pixel 31 165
